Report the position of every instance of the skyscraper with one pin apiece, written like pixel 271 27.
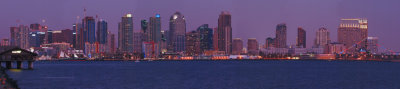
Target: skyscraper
pixel 206 37
pixel 102 31
pixel 192 44
pixel 215 39
pixel 20 36
pixel 237 46
pixel 177 27
pixel 125 34
pixel 301 38
pixel 225 32
pixel 111 42
pixel 89 29
pixel 155 28
pixel 353 34
pixel 322 38
pixel 145 30
pixel 78 41
pixel 280 38
pixel 137 41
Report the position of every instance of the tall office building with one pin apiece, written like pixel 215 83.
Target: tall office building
pixel 36 38
pixel 111 42
pixel 102 31
pixel 192 44
pixel 322 38
pixel 39 29
pixel 20 36
pixel 353 32
pixel 125 34
pixel 237 46
pixel 137 41
pixel 145 30
pixel 206 37
pixel 177 27
pixel 225 32
pixel 78 36
pixel 154 32
pixel 301 38
pixel 280 38
pixel 215 39
pixel 89 31
pixel 372 45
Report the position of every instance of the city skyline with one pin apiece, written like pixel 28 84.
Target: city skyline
pixel 380 26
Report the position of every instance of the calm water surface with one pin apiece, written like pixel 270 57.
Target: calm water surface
pixel 210 74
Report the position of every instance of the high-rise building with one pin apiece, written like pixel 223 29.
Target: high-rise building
pixel 353 34
pixel 154 32
pixel 137 41
pixel 36 38
pixel 206 37
pixel 322 38
pixel 111 42
pixel 89 29
pixel 50 36
pixel 145 30
pixel 215 39
pixel 192 44
pixel 372 45
pixel 78 36
pixel 177 27
pixel 5 42
pixel 237 46
pixel 102 31
pixel 301 38
pixel 225 32
pixel 125 34
pixel 20 36
pixel 164 41
pixel 252 46
pixel 37 28
pixel 269 42
pixel 280 38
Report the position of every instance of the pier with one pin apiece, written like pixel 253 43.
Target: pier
pixel 18 56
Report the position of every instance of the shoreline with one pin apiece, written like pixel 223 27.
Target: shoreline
pixel 392 60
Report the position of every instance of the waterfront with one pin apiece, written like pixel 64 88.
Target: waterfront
pixel 209 74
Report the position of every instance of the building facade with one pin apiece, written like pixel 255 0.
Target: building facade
pixel 192 44
pixel 372 45
pixel 20 36
pixel 237 46
pixel 206 37
pixel 177 27
pixel 301 38
pixel 322 38
pixel 280 39
pixel 125 34
pixel 225 32
pixel 102 31
pixel 353 34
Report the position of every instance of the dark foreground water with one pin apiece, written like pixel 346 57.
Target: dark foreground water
pixel 210 74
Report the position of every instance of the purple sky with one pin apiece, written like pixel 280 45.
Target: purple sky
pixel 250 18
